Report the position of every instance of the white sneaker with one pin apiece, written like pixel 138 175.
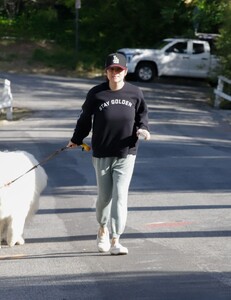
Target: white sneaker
pixel 103 242
pixel 118 249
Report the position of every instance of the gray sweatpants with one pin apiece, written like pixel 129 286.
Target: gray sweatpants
pixel 113 176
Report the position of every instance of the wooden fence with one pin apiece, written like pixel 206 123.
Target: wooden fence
pixel 219 91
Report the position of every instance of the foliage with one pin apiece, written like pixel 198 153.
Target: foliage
pixel 100 27
pixel 115 24
pixel 208 14
pixel 224 46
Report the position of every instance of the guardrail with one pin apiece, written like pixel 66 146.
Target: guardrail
pixel 219 93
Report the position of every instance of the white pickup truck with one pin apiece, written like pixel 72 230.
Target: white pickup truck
pixel 174 57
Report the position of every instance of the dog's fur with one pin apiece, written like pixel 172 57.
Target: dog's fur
pixel 20 199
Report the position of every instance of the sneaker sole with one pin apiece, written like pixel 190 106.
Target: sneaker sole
pixel 119 253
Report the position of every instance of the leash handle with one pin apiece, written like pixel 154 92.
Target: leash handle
pixel 85 147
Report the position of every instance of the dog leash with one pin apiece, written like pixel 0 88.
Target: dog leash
pixel 84 146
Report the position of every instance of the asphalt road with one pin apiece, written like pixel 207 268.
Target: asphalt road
pixel 178 230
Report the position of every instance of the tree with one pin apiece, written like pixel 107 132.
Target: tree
pixel 12 7
pixel 207 15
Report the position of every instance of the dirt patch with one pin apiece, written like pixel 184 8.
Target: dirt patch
pixel 16 56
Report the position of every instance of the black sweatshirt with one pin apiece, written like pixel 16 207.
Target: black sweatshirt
pixel 114 117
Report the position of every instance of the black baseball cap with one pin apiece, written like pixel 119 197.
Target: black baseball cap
pixel 116 60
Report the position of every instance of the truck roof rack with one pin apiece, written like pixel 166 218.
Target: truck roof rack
pixel 207 36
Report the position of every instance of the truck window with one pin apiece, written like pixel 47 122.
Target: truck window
pixel 180 47
pixel 198 48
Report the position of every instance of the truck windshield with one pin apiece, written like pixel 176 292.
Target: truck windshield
pixel 160 44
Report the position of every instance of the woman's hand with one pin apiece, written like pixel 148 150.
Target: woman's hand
pixel 71 145
pixel 144 133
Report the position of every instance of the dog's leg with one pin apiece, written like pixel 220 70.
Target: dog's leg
pixel 3 230
pixel 15 231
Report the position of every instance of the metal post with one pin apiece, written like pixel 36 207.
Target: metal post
pixel 77 7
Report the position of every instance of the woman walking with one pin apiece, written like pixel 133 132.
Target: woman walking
pixel 117 114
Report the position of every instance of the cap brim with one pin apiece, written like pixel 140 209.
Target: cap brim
pixel 116 65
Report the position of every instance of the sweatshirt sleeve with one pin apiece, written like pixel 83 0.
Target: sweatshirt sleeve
pixel 142 113
pixel 84 122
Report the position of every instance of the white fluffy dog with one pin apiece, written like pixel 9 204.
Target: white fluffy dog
pixel 20 199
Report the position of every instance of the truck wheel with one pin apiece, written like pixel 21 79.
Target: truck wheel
pixel 145 72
